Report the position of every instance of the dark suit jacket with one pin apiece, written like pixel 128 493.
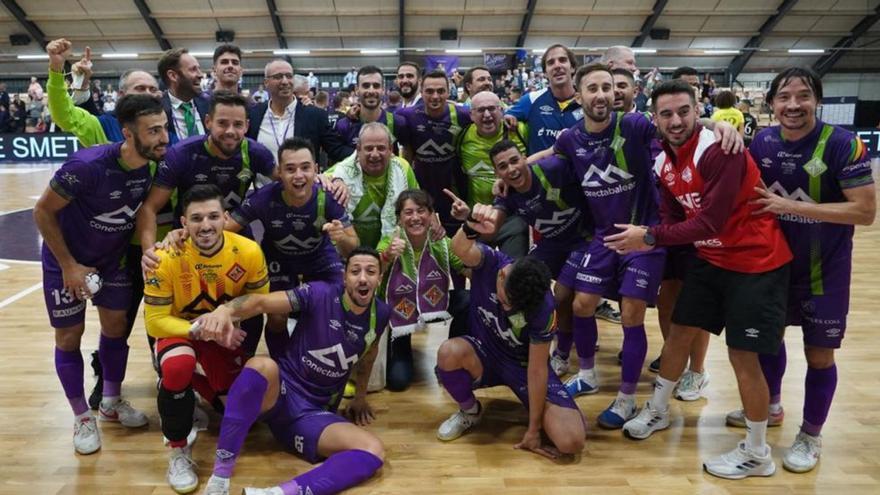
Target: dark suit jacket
pixel 309 122
pixel 203 105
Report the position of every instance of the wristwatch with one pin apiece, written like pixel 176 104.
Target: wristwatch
pixel 649 238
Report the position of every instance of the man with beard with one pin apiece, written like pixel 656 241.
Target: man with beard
pixel 548 112
pixel 428 133
pixel 370 90
pixel 476 80
pixel 224 157
pixel 819 185
pixel 86 218
pixel 407 82
pixel 610 154
pixel 298 392
pixel 473 145
pixel 284 116
pixel 227 68
pixel 374 177
pixel 211 268
pixel 185 106
pixel 624 90
pixel 738 280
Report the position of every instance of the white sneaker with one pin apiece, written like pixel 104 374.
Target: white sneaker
pixel 740 463
pixel 559 364
pixel 803 454
pixel 216 486
pixel 691 385
pixel 583 383
pixel 181 471
pixel 617 414
pixel 86 438
pixel 646 422
pixel 122 412
pixel 458 423
pixel 262 491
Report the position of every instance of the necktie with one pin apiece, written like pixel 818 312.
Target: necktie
pixel 188 119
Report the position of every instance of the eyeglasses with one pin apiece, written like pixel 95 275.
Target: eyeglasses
pixel 281 76
pixel 490 109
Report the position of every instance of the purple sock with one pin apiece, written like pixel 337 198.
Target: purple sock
pixel 242 409
pixel 774 369
pixel 459 384
pixel 819 389
pixel 340 471
pixel 113 353
pixel 586 333
pixel 563 343
pixel 69 368
pixel 635 348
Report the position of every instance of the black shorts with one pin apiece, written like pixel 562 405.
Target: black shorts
pixel 678 258
pixel 752 306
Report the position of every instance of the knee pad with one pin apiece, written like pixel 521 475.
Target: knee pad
pixel 177 372
pixel 176 411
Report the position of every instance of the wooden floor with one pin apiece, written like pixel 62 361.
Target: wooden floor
pixel 35 420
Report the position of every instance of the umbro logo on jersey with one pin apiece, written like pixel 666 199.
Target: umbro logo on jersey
pixel 335 324
pixel 833 332
pixel 201 177
pixel 611 175
pixel 766 162
pixel 546 109
pixel 277 224
pixel 752 333
pixel 580 152
pixel 431 148
pixel 547 225
pixel 420 128
pixel 115 194
pixel 119 216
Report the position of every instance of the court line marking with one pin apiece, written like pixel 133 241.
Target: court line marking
pixel 16 211
pixel 20 262
pixel 11 299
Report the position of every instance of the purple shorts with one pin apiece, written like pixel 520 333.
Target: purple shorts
pixel 66 311
pixel 286 274
pixel 297 423
pixel 822 318
pixel 636 275
pixel 498 372
pixel 561 260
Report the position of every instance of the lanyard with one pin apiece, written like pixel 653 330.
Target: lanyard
pixel 290 116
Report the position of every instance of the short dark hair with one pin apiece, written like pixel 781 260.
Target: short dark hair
pixel 296 143
pixel 527 284
pixel 572 58
pixel 394 97
pixel 414 65
pixel 468 77
pixel 321 98
pixel 588 69
pixel 227 48
pixel 337 99
pixel 170 60
pixel 363 251
pixel 671 87
pixel 226 97
pixel 807 76
pixel 684 71
pixel 367 70
pixel 417 196
pixel 620 71
pixel 132 106
pixel 500 147
pixel 200 193
pixel 436 74
pixel 725 99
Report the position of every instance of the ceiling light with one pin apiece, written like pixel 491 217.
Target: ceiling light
pixel 644 50
pixel 33 57
pixel 290 52
pixel 806 50
pixel 463 51
pixel 119 55
pixel 721 52
pixel 379 52
pixel 202 54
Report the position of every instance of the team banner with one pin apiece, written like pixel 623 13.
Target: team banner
pixel 497 62
pixel 45 147
pixel 445 63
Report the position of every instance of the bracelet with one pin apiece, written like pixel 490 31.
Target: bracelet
pixel 469 231
pixel 470 218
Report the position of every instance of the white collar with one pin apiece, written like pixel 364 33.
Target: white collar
pixel 291 108
pixel 175 101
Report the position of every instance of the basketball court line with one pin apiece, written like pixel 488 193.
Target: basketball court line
pixel 20 294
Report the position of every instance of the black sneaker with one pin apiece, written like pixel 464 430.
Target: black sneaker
pixel 97 392
pixel 620 358
pixel 654 367
pixel 606 312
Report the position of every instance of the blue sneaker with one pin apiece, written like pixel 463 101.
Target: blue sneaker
pixel 619 412
pixel 577 386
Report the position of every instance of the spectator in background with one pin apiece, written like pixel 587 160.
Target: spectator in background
pixel 322 99
pixel 261 94
pixel 726 112
pixel 5 119
pixel 750 123
pixel 341 103
pixel 394 101
pixel 4 96
pixel 350 79
pixel 313 82
pixel 515 95
pixel 18 115
pixel 35 91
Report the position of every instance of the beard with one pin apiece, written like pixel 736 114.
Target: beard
pixel 149 152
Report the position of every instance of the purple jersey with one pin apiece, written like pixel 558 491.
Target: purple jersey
pixel 506 335
pixel 615 171
pixel 327 342
pixel 554 205
pixel 104 198
pixel 435 162
pixel 349 129
pixel 189 163
pixel 291 233
pixel 795 170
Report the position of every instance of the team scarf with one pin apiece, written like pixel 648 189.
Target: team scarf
pixel 418 290
pixel 349 170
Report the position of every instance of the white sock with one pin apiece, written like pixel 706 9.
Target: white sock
pixel 588 375
pixel 626 397
pixel 776 408
pixel 663 389
pixel 109 401
pixel 756 436
pixel 474 409
pixel 80 417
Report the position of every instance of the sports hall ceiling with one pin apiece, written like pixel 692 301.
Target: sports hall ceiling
pixel 754 35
